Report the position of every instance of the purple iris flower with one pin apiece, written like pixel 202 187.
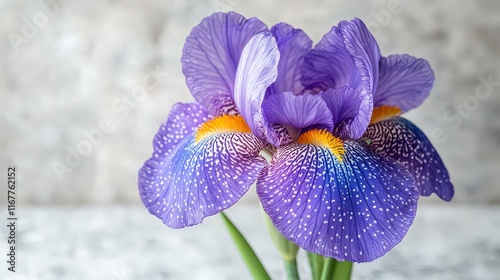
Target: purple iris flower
pixel 346 171
pixel 205 155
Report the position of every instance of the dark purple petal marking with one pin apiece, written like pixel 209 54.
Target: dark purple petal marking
pixel 257 70
pixel 194 181
pixel 296 112
pixel 404 142
pixel 293 45
pixel 277 135
pixel 405 82
pixel 356 210
pixel 211 54
pixel 351 111
pixel 346 56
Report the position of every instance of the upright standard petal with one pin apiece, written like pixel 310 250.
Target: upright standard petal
pixel 364 48
pixel 198 171
pixel 346 56
pixel 296 112
pixel 355 209
pixel 404 142
pixel 330 65
pixel 293 45
pixel 210 57
pixel 405 81
pixel 257 70
pixel 351 111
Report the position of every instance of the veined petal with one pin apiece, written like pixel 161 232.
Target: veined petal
pixel 404 142
pixel 330 65
pixel 200 176
pixel 296 112
pixel 363 47
pixel 346 56
pixel 293 45
pixel 355 210
pixel 351 111
pixel 210 57
pixel 257 70
pixel 405 82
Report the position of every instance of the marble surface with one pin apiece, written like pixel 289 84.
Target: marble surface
pixel 446 242
pixel 73 76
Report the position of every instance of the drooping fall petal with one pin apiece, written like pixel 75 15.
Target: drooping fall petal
pixel 354 209
pixel 404 142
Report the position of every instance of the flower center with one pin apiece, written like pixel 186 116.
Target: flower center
pixel 324 139
pixel 384 112
pixel 222 124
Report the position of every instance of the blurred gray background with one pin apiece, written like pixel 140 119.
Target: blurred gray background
pixel 69 69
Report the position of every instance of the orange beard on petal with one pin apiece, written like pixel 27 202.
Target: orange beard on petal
pixel 384 112
pixel 324 139
pixel 222 124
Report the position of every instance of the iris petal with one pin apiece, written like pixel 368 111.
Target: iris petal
pixel 293 45
pixel 295 112
pixel 210 57
pixel 346 56
pixel 363 47
pixel 330 65
pixel 401 140
pixel 257 70
pixel 356 210
pixel 405 82
pixel 185 180
pixel 351 111
pixel 183 119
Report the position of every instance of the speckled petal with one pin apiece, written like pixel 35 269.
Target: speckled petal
pixel 293 45
pixel 210 57
pixel 183 119
pixel 257 70
pixel 405 82
pixel 355 210
pixel 401 140
pixel 184 182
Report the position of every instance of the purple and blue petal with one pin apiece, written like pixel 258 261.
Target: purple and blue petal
pixel 346 56
pixel 210 57
pixel 293 45
pixel 351 111
pixel 183 120
pixel 295 112
pixel 257 70
pixel 404 81
pixel 355 210
pixel 185 181
pixel 404 142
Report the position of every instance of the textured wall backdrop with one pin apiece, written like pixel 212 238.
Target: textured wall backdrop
pixel 68 69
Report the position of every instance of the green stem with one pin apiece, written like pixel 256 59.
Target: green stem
pixel 328 269
pixel 292 272
pixel 249 257
pixel 316 264
pixel 343 271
